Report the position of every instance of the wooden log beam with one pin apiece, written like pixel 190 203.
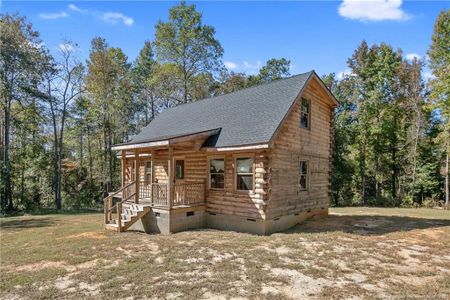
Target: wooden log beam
pixel 119 217
pixel 124 167
pixel 136 176
pixel 170 170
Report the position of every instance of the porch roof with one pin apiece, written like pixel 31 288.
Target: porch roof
pixel 247 117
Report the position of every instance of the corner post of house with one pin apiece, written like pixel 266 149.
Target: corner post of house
pixel 170 171
pixel 136 176
pixel 124 167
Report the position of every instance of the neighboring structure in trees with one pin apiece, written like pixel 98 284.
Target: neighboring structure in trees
pixel 256 160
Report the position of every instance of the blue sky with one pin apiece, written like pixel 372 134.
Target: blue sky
pixel 313 35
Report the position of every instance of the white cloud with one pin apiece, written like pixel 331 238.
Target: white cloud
pixel 340 75
pixel 252 68
pixel 230 65
pixel 75 8
pixel 36 45
pixel 427 76
pixel 114 18
pixel 411 56
pixel 52 16
pixel 373 10
pixel 66 47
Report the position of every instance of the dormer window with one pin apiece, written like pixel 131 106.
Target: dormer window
pixel 304 114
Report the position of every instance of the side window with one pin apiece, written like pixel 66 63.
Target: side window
pixel 303 175
pixel 244 173
pixel 305 114
pixel 179 169
pixel 217 173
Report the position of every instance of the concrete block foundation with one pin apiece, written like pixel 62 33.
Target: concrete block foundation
pixel 181 219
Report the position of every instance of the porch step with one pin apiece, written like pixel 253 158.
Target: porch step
pixel 131 213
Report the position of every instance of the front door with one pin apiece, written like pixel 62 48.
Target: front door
pixel 148 179
pixel 179 178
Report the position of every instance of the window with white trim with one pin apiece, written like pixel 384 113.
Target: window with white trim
pixel 217 173
pixel 244 173
pixel 303 177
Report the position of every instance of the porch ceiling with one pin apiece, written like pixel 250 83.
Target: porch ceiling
pixel 194 140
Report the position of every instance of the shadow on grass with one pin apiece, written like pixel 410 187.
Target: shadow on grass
pixel 26 223
pixel 366 225
pixel 52 211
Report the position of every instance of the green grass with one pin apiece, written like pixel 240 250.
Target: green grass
pixel 361 252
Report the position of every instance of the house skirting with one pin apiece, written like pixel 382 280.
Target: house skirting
pixel 181 219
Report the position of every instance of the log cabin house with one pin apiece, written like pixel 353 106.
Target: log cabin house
pixel 256 160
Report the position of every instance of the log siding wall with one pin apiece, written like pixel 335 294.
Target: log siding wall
pixel 294 143
pixel 227 201
pixel 276 191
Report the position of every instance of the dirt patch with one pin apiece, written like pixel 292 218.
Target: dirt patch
pixel 89 235
pixel 301 286
pixel 36 267
pixel 63 283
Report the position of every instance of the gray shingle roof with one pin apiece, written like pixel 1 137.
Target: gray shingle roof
pixel 249 116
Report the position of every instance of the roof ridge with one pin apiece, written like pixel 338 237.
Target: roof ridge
pixel 241 90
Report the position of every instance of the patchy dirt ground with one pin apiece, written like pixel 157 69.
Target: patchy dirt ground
pixel 357 253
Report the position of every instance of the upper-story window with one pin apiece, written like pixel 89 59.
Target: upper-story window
pixel 305 114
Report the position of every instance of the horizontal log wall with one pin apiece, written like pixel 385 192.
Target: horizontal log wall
pixel 293 143
pixel 226 201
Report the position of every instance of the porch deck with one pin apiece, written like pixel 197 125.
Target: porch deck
pixel 136 198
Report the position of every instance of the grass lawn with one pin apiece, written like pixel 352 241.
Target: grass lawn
pixel 353 253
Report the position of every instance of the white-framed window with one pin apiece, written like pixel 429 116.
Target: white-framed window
pixel 244 173
pixel 217 173
pixel 303 177
pixel 305 114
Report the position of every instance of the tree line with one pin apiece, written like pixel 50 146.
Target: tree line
pixel 60 116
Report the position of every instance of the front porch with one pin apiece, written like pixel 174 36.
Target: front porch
pixel 153 178
pixel 126 206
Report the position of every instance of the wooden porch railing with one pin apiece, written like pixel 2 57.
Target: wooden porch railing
pixel 160 194
pixel 157 194
pixel 189 193
pixel 113 211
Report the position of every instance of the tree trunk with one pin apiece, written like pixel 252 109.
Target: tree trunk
pixel 7 185
pixel 447 191
pixel 363 174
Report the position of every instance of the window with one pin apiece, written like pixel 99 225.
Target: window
pixel 303 175
pixel 244 174
pixel 217 173
pixel 304 114
pixel 148 171
pixel 179 169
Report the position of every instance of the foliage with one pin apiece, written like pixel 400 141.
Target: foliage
pixel 384 154
pixel 60 117
pixel 189 45
pixel 440 87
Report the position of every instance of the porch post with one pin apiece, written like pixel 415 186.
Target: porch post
pixel 136 176
pixel 124 167
pixel 170 170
